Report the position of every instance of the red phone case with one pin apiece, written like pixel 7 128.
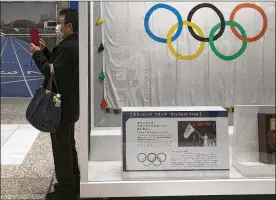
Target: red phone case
pixel 34 36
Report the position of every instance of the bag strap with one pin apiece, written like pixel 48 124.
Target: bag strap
pixel 52 69
pixel 52 78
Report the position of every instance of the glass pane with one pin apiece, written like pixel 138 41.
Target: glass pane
pixel 254 140
pixel 191 93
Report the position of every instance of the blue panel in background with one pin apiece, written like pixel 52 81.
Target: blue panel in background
pixel 74 4
pixel 24 57
pixel 9 63
pixel 16 63
pixel 19 74
pixel 34 83
pixel 14 87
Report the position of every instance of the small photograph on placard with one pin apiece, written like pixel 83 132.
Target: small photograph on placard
pixel 197 134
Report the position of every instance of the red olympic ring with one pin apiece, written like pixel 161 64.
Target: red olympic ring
pixel 257 8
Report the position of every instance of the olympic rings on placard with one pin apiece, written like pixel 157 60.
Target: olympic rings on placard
pixel 179 26
pixel 178 55
pixel 260 10
pixel 143 155
pixel 144 160
pixel 162 155
pixel 151 158
pixel 214 8
pixel 212 45
pixel 170 8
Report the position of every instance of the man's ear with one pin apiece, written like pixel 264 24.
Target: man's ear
pixel 71 27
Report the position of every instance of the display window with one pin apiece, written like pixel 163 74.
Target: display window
pixel 177 95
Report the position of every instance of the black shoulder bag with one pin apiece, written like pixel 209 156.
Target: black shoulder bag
pixel 44 110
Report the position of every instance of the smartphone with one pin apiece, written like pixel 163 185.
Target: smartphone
pixel 34 36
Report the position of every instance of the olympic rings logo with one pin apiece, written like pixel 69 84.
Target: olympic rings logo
pixel 200 36
pixel 151 158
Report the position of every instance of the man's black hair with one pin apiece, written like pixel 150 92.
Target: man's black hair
pixel 71 16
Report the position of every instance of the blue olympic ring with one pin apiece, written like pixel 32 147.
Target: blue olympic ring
pixel 173 10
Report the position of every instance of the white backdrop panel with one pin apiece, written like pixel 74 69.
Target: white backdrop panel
pixel 143 72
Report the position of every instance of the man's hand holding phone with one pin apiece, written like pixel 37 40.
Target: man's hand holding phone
pixel 34 48
pixel 42 44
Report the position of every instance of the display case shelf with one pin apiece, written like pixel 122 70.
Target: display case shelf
pixel 118 188
pixel 105 176
pixel 100 171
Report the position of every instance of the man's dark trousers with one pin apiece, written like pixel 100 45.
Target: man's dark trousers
pixel 66 160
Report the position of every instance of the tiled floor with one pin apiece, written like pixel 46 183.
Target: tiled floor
pixel 18 138
pixel 7 131
pixel 16 141
pixel 26 157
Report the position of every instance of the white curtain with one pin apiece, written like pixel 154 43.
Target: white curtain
pixel 143 72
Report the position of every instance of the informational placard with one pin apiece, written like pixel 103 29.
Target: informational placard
pixel 175 139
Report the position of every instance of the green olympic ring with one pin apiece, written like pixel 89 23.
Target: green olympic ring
pixel 214 49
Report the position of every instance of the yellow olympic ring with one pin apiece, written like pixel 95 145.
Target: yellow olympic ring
pixel 174 52
pixel 146 164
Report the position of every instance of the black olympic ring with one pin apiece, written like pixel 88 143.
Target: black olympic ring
pixel 214 8
pixel 156 160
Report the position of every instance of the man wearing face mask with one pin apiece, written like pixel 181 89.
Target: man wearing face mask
pixel 65 58
pixel 59 33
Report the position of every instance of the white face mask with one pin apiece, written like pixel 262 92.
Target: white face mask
pixel 59 33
